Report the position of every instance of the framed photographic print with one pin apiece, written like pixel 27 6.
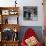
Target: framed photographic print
pixel 30 13
pixel 12 20
pixel 13 12
pixel 5 12
pixel 9 20
pixel 5 20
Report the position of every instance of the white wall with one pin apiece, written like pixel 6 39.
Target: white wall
pixel 7 3
pixel 22 3
pixel 37 3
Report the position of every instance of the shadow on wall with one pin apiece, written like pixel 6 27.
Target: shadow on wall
pixel 37 29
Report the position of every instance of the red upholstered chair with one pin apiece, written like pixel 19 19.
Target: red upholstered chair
pixel 29 33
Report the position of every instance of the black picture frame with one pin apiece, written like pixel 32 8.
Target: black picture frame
pixel 30 13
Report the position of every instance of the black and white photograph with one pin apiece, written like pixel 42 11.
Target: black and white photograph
pixel 9 20
pixel 30 13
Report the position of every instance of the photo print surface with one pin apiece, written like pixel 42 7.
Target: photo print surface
pixel 30 13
